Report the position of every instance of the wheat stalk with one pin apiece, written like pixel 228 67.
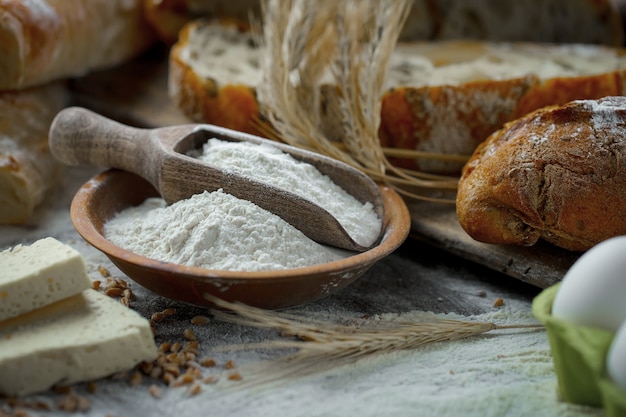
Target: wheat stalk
pixel 324 66
pixel 321 345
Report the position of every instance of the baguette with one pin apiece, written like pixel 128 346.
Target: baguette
pixel 558 21
pixel 45 40
pixel 556 174
pixel 28 172
pixel 443 97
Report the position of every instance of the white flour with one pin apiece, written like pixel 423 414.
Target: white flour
pixel 215 231
pixel 270 165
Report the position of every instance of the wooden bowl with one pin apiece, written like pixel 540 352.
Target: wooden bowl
pixel 112 191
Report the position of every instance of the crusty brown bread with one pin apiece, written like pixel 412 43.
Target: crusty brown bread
pixel 44 40
pixel 28 172
pixel 557 174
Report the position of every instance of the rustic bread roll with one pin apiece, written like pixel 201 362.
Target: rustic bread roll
pixel 27 169
pixel 556 174
pixel 444 97
pixel 44 40
pixel 571 21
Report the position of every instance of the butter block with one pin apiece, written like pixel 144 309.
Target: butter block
pixel 40 274
pixel 83 337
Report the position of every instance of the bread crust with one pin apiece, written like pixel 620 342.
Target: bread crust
pixel 28 172
pixel 44 40
pixel 557 174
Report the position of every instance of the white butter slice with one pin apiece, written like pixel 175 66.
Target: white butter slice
pixel 81 338
pixel 40 274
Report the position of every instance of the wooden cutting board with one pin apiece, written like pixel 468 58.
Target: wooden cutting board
pixel 136 94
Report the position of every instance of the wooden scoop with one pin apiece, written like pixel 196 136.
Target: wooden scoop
pixel 81 137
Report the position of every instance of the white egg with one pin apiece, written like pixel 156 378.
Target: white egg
pixel 616 358
pixel 593 291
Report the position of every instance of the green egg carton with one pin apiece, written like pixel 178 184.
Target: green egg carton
pixel 579 355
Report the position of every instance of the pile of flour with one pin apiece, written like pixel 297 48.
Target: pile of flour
pixel 271 165
pixel 215 231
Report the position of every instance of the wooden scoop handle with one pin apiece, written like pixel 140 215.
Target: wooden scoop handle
pixel 81 137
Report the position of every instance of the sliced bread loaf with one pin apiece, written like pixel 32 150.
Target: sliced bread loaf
pixel 442 97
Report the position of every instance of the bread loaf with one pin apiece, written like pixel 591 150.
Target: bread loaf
pixel 556 174
pixel 571 21
pixel 443 97
pixel 44 40
pixel 447 97
pixel 27 169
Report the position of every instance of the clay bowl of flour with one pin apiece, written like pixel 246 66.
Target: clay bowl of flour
pixel 113 191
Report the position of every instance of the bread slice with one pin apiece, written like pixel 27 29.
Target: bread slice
pixel 555 174
pixel 39 274
pixel 45 40
pixel 443 97
pixel 80 338
pixel 28 172
pixel 447 97
pixel 571 21
pixel 213 73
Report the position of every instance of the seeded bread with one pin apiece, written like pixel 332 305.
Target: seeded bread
pixel 44 40
pixel 571 21
pixel 555 174
pixel 443 97
pixel 28 172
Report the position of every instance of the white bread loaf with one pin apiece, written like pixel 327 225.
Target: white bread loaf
pixel 571 21
pixel 44 40
pixel 443 97
pixel 28 172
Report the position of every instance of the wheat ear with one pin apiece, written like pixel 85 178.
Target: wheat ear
pixel 324 66
pixel 321 345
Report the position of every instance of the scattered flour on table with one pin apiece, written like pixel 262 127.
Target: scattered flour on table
pixel 504 373
pixel 215 231
pixel 271 165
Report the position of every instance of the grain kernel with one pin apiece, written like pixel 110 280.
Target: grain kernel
pixel 235 376
pixel 199 320
pixel 189 334
pixel 169 312
pixel 211 379
pixel 113 292
pixel 499 302
pixel 207 362
pixel 195 389
pixel 229 365
pixel 135 379
pixel 155 391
